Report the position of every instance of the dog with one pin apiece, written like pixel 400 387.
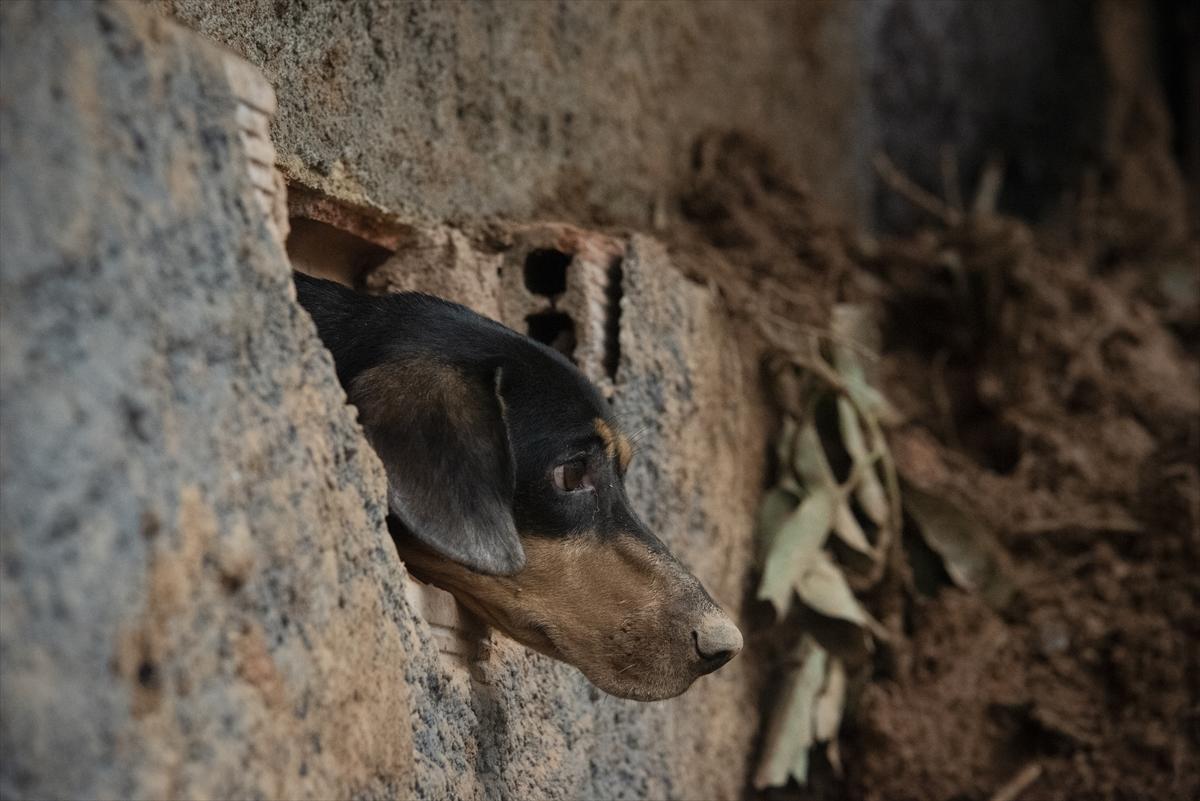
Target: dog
pixel 506 476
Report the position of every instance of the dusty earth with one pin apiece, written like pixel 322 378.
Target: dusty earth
pixel 1048 381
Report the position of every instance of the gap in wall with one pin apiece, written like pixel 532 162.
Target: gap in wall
pixel 613 291
pixel 546 271
pixel 337 239
pixel 323 251
pixel 555 329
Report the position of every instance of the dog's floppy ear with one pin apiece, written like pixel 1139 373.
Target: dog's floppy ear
pixel 441 434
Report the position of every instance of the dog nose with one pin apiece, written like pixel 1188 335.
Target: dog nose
pixel 717 641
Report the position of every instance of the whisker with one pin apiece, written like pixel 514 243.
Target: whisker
pixel 636 436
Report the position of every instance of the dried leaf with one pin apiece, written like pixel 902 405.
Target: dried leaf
pixel 870 492
pixel 785 444
pixel 799 539
pixel 790 733
pixel 860 411
pixel 849 531
pixel 827 713
pixel 854 332
pixel 823 588
pixel 966 547
pixel 870 399
pixel 892 488
pixel 776 508
pixel 812 468
pixel 834 754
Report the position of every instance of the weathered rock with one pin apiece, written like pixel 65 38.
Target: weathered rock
pixel 199 599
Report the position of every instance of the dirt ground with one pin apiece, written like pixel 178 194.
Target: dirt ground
pixel 1047 379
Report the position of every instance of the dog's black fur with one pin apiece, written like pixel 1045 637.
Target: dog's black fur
pixel 466 491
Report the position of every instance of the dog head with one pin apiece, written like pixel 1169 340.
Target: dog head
pixel 506 482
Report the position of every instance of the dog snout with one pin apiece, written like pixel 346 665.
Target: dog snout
pixel 717 640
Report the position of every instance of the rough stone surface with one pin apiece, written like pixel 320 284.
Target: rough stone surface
pixel 442 261
pixel 198 597
pixel 458 110
pixel 589 111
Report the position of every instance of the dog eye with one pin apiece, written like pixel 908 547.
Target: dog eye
pixel 572 476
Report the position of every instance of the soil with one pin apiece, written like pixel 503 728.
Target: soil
pixel 1048 380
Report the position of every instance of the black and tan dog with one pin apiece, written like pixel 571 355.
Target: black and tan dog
pixel 506 487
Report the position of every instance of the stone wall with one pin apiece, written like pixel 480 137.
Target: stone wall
pixel 199 595
pixel 586 110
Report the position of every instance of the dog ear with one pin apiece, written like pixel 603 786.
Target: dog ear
pixel 444 443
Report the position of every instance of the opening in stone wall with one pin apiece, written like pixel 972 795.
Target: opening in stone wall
pixel 554 329
pixel 546 271
pixel 612 318
pixel 323 251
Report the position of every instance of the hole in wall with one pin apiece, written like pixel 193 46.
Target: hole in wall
pixel 231 583
pixel 612 318
pixel 554 329
pixel 546 271
pixel 148 676
pixel 147 688
pixel 324 251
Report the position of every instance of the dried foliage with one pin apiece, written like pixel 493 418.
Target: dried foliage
pixel 827 537
pixel 809 507
pixel 1011 530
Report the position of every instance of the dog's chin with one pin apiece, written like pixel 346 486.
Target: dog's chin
pixel 633 686
pixel 620 684
pixel 656 691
